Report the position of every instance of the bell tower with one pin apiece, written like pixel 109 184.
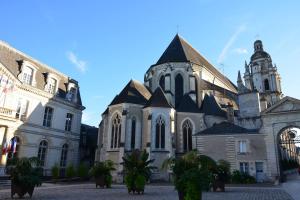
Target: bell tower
pixel 262 76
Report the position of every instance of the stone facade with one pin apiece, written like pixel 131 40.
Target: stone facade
pixel 39 105
pixel 185 103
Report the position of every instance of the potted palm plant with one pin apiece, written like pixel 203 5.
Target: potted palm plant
pixel 25 175
pixel 101 171
pixel 221 175
pixel 137 170
pixel 192 174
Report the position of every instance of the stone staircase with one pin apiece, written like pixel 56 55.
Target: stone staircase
pixel 4 181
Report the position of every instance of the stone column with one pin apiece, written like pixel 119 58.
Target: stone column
pixel 148 135
pixel 122 144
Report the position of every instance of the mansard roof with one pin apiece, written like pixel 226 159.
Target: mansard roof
pixel 158 99
pixel 13 59
pixel 188 105
pixel 181 51
pixel 226 128
pixel 134 92
pixel 211 107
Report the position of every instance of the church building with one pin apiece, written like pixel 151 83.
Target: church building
pixel 185 103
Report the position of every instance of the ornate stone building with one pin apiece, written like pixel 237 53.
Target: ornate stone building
pixel 40 111
pixel 185 103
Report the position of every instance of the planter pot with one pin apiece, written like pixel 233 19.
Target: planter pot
pixel 100 181
pixel 218 186
pixel 181 195
pixel 21 190
pixel 135 190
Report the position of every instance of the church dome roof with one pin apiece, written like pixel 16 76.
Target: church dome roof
pixel 259 51
pixel 260 54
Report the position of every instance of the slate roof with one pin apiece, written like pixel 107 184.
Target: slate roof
pixel 134 92
pixel 226 128
pixel 12 59
pixel 181 51
pixel 211 107
pixel 105 112
pixel 205 85
pixel 158 99
pixel 188 105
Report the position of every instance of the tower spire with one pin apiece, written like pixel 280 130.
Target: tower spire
pixel 239 79
pixel 246 67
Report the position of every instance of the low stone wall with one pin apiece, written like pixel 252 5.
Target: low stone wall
pixel 291 171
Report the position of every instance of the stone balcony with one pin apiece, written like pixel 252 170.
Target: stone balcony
pixel 7 113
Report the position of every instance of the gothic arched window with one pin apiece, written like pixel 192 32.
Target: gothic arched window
pixel 178 89
pixel 162 82
pixel 64 155
pixel 160 133
pixel 42 152
pixel 115 132
pixel 187 129
pixel 267 86
pixel 133 130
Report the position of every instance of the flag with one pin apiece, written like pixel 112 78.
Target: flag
pixel 14 150
pixel 4 148
pixel 13 145
pixel 8 147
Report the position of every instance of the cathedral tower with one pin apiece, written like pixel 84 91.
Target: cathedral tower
pixel 261 75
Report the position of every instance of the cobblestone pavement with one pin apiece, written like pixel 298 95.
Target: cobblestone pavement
pixel 88 191
pixel 292 186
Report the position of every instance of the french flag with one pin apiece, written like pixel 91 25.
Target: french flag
pixel 4 148
pixel 13 147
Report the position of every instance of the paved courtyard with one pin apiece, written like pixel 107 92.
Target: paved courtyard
pixel 88 191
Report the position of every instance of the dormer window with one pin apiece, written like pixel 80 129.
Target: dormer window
pixel 52 86
pixel 27 75
pixel 71 94
pixel 52 81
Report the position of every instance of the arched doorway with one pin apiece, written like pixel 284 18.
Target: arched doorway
pixel 288 141
pixel 178 89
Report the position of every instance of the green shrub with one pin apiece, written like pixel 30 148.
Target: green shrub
pixel 55 171
pixel 137 170
pixel 242 178
pixel 24 171
pixel 82 171
pixel 223 170
pixel 140 182
pixel 70 171
pixel 129 182
pixel 192 174
pixel 108 180
pixel 101 168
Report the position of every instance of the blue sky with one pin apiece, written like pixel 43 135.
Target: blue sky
pixel 104 44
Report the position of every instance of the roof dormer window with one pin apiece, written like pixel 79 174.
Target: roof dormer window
pixel 71 96
pixel 27 75
pixel 51 86
pixel 51 83
pixel 72 92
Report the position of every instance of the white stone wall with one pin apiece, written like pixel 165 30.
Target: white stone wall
pixel 30 129
pixel 249 105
